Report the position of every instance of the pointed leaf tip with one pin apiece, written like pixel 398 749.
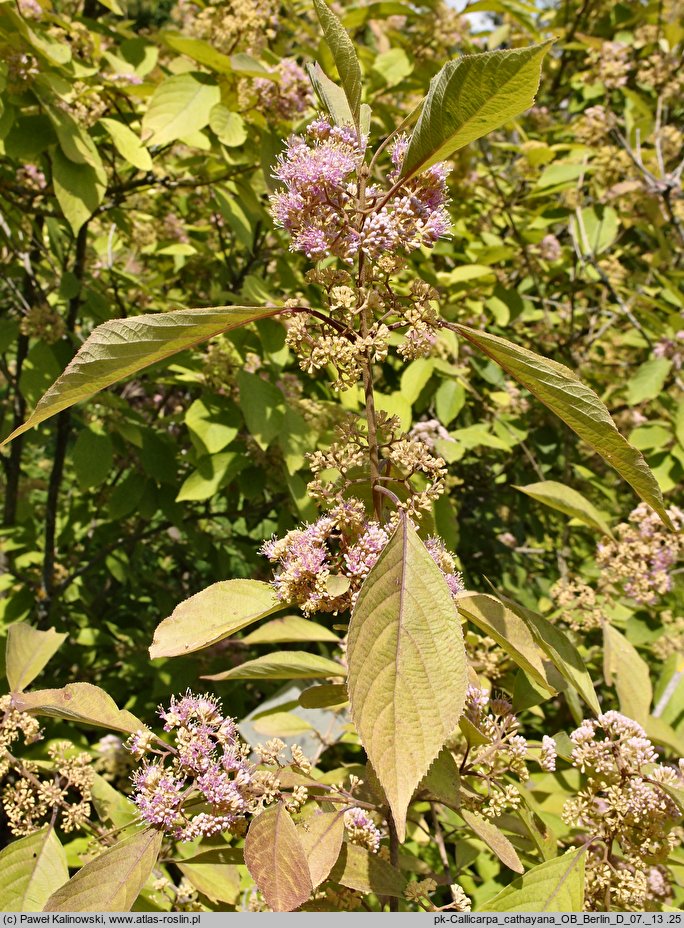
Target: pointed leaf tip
pixel 407 667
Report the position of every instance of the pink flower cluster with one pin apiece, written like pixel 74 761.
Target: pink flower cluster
pixel 321 566
pixel 289 96
pixel 207 762
pixel 318 205
pixel 362 830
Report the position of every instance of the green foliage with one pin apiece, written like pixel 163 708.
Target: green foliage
pixel 138 152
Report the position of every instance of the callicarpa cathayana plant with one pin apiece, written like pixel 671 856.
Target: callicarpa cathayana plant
pixel 402 762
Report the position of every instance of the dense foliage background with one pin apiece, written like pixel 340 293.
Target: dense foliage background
pixel 138 145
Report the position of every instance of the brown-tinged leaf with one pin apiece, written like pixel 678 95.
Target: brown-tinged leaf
pixel 357 868
pixel 276 859
pixel 407 667
pixel 495 839
pixel 321 836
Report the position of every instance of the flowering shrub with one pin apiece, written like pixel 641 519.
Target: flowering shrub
pixel 414 263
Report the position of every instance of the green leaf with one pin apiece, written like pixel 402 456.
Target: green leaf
pixel 393 66
pixel 200 51
pixel 212 615
pixel 112 807
pixel 128 144
pixel 219 882
pixel 276 859
pixel 27 651
pixel 283 665
pixel 624 667
pixel 344 55
pixel 560 650
pixel 331 96
pixel 32 869
pixel 577 405
pixel 213 423
pixel 180 105
pixel 358 868
pixel 213 472
pixel 449 401
pixel 78 702
pixel 508 630
pixel 92 457
pixel 289 628
pixel 325 696
pixel 554 886
pixel 111 882
pixel 565 499
pixel 494 838
pixel 79 188
pixel 648 381
pixel 594 228
pixel 414 377
pixel 263 406
pixel 229 128
pixel 470 97
pixel 321 836
pixel 407 667
pixel 122 347
pixel 357 16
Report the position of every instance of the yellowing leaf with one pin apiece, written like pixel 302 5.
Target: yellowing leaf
pixel 180 105
pixel 27 651
pixel 508 630
pixel 494 839
pixel 554 886
pixel 577 405
pixel 565 499
pixel 560 650
pixel 79 188
pixel 32 869
pixel 280 724
pixel 624 667
pixel 364 871
pixel 212 615
pixel 117 349
pixel 470 97
pixel 407 667
pixel 112 881
pixel 283 665
pixel 219 882
pixel 289 628
pixel 128 144
pixel 321 836
pixel 276 859
pixel 327 695
pixel 229 127
pixel 78 702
